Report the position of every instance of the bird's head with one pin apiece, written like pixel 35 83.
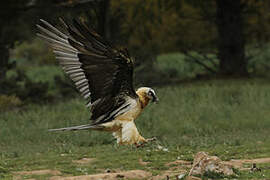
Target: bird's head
pixel 148 93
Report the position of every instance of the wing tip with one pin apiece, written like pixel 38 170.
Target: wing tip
pixel 42 20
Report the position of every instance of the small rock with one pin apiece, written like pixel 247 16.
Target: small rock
pixel 165 149
pixel 159 147
pixel 203 163
pixel 181 176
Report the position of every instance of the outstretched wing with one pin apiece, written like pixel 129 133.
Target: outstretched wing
pixel 103 74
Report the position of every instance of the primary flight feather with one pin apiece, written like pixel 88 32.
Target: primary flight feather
pixel 104 77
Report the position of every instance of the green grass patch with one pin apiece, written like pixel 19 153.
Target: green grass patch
pixel 228 118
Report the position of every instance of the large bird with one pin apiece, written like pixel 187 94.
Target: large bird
pixel 104 76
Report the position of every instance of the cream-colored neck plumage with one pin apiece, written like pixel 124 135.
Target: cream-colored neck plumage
pixel 143 98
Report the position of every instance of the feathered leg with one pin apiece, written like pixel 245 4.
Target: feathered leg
pixel 130 134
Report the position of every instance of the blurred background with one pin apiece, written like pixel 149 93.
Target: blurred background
pixel 208 61
pixel 172 42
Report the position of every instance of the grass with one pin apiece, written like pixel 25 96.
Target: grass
pixel 228 118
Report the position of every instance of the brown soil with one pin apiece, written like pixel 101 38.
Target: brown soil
pixel 141 162
pixel 18 174
pixel 133 174
pixel 178 167
pixel 192 178
pixel 238 163
pixel 38 172
pixel 169 173
pixel 179 162
pixel 84 160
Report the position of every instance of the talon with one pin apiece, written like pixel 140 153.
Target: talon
pixel 139 145
pixel 151 139
pixel 144 142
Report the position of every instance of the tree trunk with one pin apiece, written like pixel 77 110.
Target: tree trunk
pixel 4 56
pixel 231 41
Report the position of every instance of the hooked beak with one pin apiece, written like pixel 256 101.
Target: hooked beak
pixel 155 99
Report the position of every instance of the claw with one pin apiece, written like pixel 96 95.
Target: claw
pixel 151 139
pixel 138 145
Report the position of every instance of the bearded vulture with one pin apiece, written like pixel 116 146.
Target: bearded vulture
pixel 103 75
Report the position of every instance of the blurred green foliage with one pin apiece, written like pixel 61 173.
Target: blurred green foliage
pixel 49 83
pixel 158 33
pixel 177 66
pixel 18 84
pixel 34 51
pixel 9 102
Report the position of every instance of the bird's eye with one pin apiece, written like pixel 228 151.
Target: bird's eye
pixel 150 93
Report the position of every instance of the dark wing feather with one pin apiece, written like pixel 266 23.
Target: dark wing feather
pixel 103 74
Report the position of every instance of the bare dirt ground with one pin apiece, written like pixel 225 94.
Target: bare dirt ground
pixel 238 163
pixel 176 168
pixel 133 174
pixel 84 160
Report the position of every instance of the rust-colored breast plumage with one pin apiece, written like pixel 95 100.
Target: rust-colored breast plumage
pixel 143 99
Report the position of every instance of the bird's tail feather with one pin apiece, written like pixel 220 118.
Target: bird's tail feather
pixel 76 128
